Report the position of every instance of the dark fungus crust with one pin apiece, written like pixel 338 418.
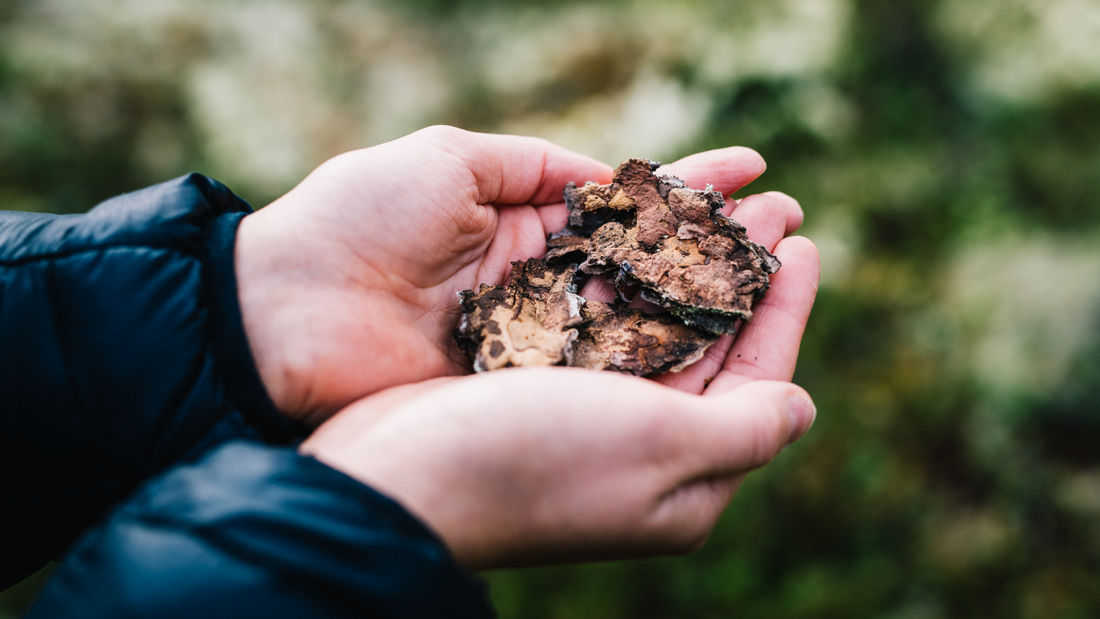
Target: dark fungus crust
pixel 643 231
pixel 529 322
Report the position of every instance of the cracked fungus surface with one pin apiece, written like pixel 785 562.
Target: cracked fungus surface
pixel 646 233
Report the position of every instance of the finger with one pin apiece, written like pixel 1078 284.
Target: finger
pixel 795 215
pixel 745 429
pixel 765 217
pixel 767 347
pixel 792 211
pixel 597 288
pixel 695 378
pixel 727 169
pixel 509 169
pixel 690 511
pixel 553 216
pixel 519 236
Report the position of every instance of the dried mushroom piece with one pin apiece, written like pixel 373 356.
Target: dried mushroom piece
pixel 683 253
pixel 560 246
pixel 630 340
pixel 594 205
pixel 538 320
pixel 643 232
pixel 529 322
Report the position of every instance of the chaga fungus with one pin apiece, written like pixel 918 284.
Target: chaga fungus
pixel 528 322
pixel 642 232
pixel 630 340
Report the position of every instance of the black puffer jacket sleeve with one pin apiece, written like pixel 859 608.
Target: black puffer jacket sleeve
pixel 254 531
pixel 123 359
pixel 121 352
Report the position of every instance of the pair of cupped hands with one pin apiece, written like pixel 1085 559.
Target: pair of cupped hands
pixel 348 291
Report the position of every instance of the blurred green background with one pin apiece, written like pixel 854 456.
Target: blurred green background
pixel 947 154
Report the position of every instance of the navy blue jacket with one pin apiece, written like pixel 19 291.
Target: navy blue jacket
pixel 137 439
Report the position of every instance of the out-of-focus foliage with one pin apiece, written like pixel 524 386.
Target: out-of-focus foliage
pixel 947 154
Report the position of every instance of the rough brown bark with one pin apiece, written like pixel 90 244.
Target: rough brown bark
pixel 641 231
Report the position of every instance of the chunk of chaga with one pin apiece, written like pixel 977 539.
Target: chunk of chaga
pixel 643 232
pixel 538 320
pixel 594 205
pixel 685 255
pixel 529 322
pixel 630 340
pixel 561 245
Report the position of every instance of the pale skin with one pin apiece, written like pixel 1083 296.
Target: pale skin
pixel 347 288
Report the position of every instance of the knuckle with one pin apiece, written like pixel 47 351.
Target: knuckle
pixel 692 543
pixel 692 537
pixel 681 537
pixel 657 428
pixel 440 133
pixel 781 196
pixel 769 436
pixel 693 511
pixel 777 203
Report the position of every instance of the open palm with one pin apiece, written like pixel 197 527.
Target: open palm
pixel 347 283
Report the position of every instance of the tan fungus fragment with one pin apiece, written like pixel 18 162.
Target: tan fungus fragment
pixel 641 231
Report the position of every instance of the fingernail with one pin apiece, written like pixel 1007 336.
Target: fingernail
pixel 802 411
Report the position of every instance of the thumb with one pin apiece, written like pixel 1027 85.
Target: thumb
pixel 743 429
pixel 511 169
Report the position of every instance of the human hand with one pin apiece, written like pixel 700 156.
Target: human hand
pixel 766 348
pixel 508 473
pixel 533 466
pixel 347 283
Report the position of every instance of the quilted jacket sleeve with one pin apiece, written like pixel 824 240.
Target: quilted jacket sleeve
pixel 254 531
pixel 124 366
pixel 121 352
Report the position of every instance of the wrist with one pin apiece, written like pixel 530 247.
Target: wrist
pixel 230 346
pixel 262 299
